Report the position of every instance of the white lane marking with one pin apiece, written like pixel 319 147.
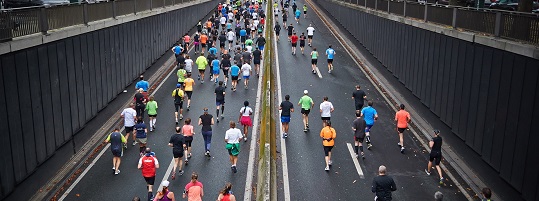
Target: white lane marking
pixel 356 162
pixel 284 159
pixel 167 173
pixel 318 73
pixel 254 135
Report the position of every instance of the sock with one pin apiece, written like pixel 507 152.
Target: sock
pixel 355 149
pixel 154 119
pixel 151 124
pixel 150 195
pixel 217 111
pixel 222 109
pixel 361 148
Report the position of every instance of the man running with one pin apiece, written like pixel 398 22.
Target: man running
pixel 294 39
pixel 216 68
pixel 257 58
pixel 189 83
pixel 130 115
pixel 314 60
pixel 177 49
pixel 310 34
pixel 277 30
pixel 234 73
pixel 148 164
pixel 330 53
pixel 383 185
pixel 116 140
pixel 178 95
pixel 328 135
pixel 201 62
pixel 435 156
pixel 326 108
pixel 220 100
pixel 402 117
pixel 304 11
pixel 181 74
pixel 286 108
pixel 177 142
pixel 260 42
pixel 232 139
pixel 246 73
pixel 151 108
pixel 290 30
pixel 142 132
pixel 203 41
pixel 359 97
pixel 302 42
pixel 358 126
pixel 298 14
pixel 206 121
pixel 306 104
pixel 370 115
pixel 225 65
pixel 140 102
pixel 188 64
pixel 230 35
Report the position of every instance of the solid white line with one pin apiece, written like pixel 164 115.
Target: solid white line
pixel 167 174
pixel 284 159
pixel 318 73
pixel 356 162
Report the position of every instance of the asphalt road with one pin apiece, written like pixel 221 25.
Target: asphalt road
pixel 305 156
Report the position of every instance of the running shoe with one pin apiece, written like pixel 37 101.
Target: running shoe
pixel 441 181
pixel 428 173
pixel 117 172
pixel 234 169
pixel 369 146
pixel 399 144
pixel 134 143
pixel 327 168
pixel 305 130
pixel 245 139
pixel 217 119
pixel 208 153
pixel 402 150
pixel 125 146
pixel 189 155
pixel 330 162
pixel 307 125
pixel 173 177
pixel 362 155
pixel 357 156
pixel 181 116
pixel 181 172
pixel 186 162
pixel 285 135
pixel 314 72
pixel 198 77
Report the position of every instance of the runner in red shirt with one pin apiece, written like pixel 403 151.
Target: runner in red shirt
pixel 148 163
pixel 402 117
pixel 294 39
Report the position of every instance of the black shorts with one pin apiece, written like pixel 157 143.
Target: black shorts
pixel 178 106
pixel 117 152
pixel 359 106
pixel 326 118
pixel 129 129
pixel 305 112
pixel 294 44
pixel 152 115
pixel 150 180
pixel 225 72
pixel 189 94
pixel 201 71
pixel 203 44
pixel 302 44
pixel 235 78
pixel 243 38
pixel 401 130
pixel 314 61
pixel 436 157
pixel 359 139
pixel 222 45
pixel 304 12
pixel 327 149
pixel 330 61
pixel 289 34
pixel 178 154
pixel 277 33
pixel 310 36
pixel 188 140
pixel 256 61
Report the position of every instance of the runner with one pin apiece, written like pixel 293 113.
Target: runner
pixel 328 136
pixel 306 104
pixel 194 190
pixel 116 140
pixel 177 142
pixel 232 139
pixel 290 30
pixel 199 26
pixel 142 132
pixel 165 194
pixel 330 53
pixel 286 108
pixel 249 45
pixel 310 34
pixel 257 57
pixel 243 36
pixel 142 84
pixel 234 73
pixel 203 41
pixel 206 121
pixel 209 25
pixel 220 100
pixel 212 50
pixel 181 74
pixel 177 49
pixel 226 193
pixel 245 118
pixel 298 14
pixel 178 95
pixel 130 115
pixel 285 19
pixel 302 42
pixel 188 64
pixel 148 164
pixel 201 62
pixel 359 97
pixel 186 42
pixel 189 83
pixel 260 42
pixel 246 72
pixel 402 117
pixel 358 126
pixel 370 115
pixel 294 40
pixel 277 30
pixel 222 40
pixel 314 60
pixel 151 107
pixel 188 132
pixel 230 35
pixel 326 108
pixel 383 185
pixel 435 145
pixel 216 68
pixel 294 7
pixel 196 41
pixel 210 59
pixel 225 65
pixel 304 11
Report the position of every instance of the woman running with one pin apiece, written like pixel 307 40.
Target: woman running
pixel 165 194
pixel 188 132
pixel 226 193
pixel 206 121
pixel 232 139
pixel 245 118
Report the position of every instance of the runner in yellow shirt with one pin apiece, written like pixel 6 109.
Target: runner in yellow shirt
pixel 189 83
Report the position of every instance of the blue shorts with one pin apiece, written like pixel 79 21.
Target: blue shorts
pixel 245 77
pixel 285 119
pixel 217 103
pixel 368 128
pixel 261 48
pixel 215 72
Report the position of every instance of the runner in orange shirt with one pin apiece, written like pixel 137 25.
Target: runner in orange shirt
pixel 328 136
pixel 203 41
pixel 402 117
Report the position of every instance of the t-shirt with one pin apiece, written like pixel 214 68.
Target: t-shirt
pixel 142 84
pixel 302 39
pixel 129 115
pixel 152 107
pixel 148 164
pixel 294 38
pixel 234 70
pixel 237 58
pixel 277 28
pixel 246 56
pixel 249 42
pixel 248 48
pixel 206 122
pixel 298 13
pixel 139 99
pixel 222 20
pixel 201 62
pixel 141 130
pixel 222 39
pixel 437 146
pixel 233 135
pixel 261 41
pixel 189 82
pixel 225 63
pixel 177 49
pixel 246 69
pixel 177 140
pixel 358 96
pixel 368 114
pixel 257 54
pixel 382 186
pixel 330 52
pixel 306 102
pixel 290 29
pixel 177 94
pixel 116 139
pixel 188 65
pixel 402 117
pixel 187 130
pixel 359 125
pixel 194 191
pixel 181 74
pixel 310 31
pixel 220 93
pixel 203 38
pixel 243 32
pixel 328 132
pixel 326 107
pixel 212 50
pixel 215 64
pixel 230 35
pixel 246 111
pixel 285 107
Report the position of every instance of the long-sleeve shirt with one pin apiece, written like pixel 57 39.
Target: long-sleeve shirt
pixel 383 185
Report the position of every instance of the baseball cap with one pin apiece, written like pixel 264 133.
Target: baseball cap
pixel 305 91
pixel 178 85
pixel 165 183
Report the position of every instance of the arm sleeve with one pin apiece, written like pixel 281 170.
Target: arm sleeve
pixel 393 185
pixel 374 185
pixel 108 138
pixel 123 139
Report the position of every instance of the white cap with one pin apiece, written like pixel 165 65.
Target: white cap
pixel 140 89
pixel 305 91
pixel 165 183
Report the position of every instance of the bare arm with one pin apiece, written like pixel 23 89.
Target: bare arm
pixel 199 121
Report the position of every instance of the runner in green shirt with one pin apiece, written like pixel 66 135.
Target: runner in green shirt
pixel 314 60
pixel 306 104
pixel 249 42
pixel 201 62
pixel 181 75
pixel 304 11
pixel 151 107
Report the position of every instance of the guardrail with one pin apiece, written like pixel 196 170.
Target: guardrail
pixel 518 26
pixel 27 21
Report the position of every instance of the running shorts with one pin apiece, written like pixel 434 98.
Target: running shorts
pixel 285 119
pixel 246 77
pixel 302 44
pixel 152 115
pixel 178 106
pixel 359 106
pixel 150 180
pixel 327 149
pixel 129 129
pixel 314 61
pixel 189 94
pixel 294 44
pixel 142 140
pixel 436 157
pixel 305 111
pixel 256 61
pixel 235 78
pixel 225 72
pixel 310 36
pixel 188 141
pixel 358 139
pixel 219 102
pixel 401 130
pixel 177 154
pixel 215 72
pixel 117 152
pixel 326 118
pixel 368 128
pixel 330 61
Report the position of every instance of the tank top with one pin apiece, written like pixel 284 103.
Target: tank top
pixel 186 38
pixel 226 197
pixel 165 197
pixel 187 130
pixel 314 55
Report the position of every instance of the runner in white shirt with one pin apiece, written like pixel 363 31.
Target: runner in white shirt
pixel 188 64
pixel 222 20
pixel 130 115
pixel 326 108
pixel 232 138
pixel 310 33
pixel 230 37
pixel 246 72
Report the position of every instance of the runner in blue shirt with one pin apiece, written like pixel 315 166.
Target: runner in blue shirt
pixel 215 69
pixel 370 115
pixel 177 50
pixel 234 73
pixel 331 53
pixel 142 84
pixel 213 50
pixel 298 13
pixel 243 37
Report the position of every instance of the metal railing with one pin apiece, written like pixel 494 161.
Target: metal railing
pixel 26 21
pixel 511 25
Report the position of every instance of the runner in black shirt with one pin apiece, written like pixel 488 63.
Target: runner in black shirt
pixel 177 142
pixel 206 121
pixel 140 103
pixel 302 42
pixel 383 185
pixel 225 65
pixel 222 40
pixel 257 57
pixel 220 100
pixel 358 126
pixel 286 108
pixel 435 145
pixel 359 98
pixel 277 29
